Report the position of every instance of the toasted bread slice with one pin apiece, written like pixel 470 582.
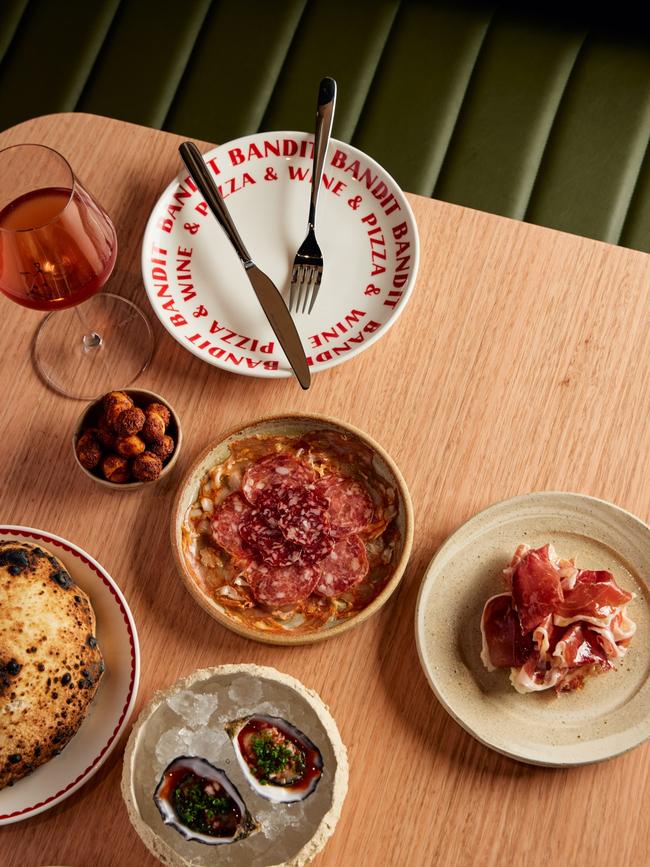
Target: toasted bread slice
pixel 50 664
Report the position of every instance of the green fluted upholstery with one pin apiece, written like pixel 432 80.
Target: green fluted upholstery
pixel 143 60
pixel 498 143
pixel 340 38
pixel 47 63
pixel 419 88
pixel 529 110
pixel 242 71
pixel 597 143
pixel 11 13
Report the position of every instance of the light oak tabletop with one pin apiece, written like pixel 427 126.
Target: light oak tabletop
pixel 520 364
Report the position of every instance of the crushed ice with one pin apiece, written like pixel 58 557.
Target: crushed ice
pixel 206 743
pixel 245 691
pixel 195 708
pixel 200 732
pixel 171 744
pixel 274 821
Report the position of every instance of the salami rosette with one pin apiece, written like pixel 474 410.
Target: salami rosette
pixel 266 543
pixel 309 530
pixel 301 515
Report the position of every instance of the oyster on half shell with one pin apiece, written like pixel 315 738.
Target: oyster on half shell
pixel 278 760
pixel 201 803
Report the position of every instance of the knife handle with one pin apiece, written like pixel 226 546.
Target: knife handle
pixel 324 120
pixel 200 174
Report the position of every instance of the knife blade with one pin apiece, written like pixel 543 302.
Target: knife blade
pixel 270 299
pixel 276 311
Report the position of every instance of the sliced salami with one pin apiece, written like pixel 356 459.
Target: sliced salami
pixel 282 586
pixel 319 547
pixel 266 543
pixel 345 566
pixel 226 524
pixel 350 507
pixel 267 503
pixel 273 470
pixel 301 516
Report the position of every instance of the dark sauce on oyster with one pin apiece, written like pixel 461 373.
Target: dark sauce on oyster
pixel 201 804
pixel 276 756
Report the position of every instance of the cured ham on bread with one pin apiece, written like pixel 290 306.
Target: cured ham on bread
pixel 555 625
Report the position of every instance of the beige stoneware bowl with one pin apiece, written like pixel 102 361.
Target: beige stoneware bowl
pixel 140 396
pixel 291 424
pixel 188 719
pixel 611 713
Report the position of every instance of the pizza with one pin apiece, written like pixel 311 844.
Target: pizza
pixel 50 663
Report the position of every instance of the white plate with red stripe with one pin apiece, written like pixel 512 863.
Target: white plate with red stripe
pixel 111 708
pixel 365 227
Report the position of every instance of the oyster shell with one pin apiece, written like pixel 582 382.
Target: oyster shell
pixel 191 787
pixel 278 760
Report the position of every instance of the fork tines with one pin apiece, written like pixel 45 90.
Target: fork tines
pixel 306 278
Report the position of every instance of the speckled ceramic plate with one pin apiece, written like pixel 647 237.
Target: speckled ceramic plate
pixel 111 708
pixel 188 720
pixel 291 424
pixel 611 714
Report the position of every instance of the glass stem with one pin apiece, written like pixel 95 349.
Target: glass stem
pixel 91 340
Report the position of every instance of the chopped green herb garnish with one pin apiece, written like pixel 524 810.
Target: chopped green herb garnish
pixel 198 810
pixel 272 758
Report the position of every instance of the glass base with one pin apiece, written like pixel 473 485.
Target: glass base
pixel 85 351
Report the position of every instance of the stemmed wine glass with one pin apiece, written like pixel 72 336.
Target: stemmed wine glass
pixel 57 250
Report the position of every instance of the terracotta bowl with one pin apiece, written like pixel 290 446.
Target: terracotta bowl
pixel 293 424
pixel 141 397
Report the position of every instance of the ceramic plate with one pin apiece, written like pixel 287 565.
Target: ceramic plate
pixel 366 230
pixel 189 719
pixel 611 714
pixel 109 712
pixel 291 425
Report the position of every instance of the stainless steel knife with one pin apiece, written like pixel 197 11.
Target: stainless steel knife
pixel 271 301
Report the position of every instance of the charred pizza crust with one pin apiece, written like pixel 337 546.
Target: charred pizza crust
pixel 50 663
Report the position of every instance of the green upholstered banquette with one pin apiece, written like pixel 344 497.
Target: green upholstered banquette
pixel 539 112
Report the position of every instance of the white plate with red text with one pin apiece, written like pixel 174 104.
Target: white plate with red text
pixel 111 708
pixel 365 228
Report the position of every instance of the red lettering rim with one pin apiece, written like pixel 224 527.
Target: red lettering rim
pixel 151 233
pixel 134 675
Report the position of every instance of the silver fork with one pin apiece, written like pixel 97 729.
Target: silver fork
pixel 307 270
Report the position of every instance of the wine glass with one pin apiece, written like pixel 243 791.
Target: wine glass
pixel 57 250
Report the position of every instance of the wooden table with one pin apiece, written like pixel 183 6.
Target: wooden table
pixel 520 364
